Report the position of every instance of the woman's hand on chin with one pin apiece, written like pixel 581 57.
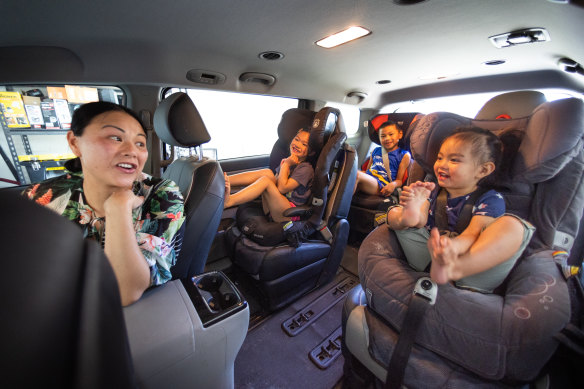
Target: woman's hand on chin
pixel 122 201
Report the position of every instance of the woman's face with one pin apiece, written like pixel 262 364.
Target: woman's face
pixel 112 150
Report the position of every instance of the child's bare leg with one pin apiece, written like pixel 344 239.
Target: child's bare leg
pixel 444 257
pixel 366 184
pixel 247 178
pixel 248 193
pixel 275 203
pixel 227 189
pixel 496 244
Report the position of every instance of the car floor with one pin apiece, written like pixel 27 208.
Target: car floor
pixel 272 358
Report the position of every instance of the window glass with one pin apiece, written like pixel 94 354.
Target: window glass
pixel 465 105
pixel 34 121
pixel 350 115
pixel 240 125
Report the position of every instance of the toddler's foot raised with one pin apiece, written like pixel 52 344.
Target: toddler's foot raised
pixel 412 199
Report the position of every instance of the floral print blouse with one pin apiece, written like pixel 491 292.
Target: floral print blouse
pixel 158 221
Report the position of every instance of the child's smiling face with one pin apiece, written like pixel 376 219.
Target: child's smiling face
pixel 457 169
pixel 299 145
pixel 389 137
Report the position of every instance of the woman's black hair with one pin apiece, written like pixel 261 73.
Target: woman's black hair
pixel 87 112
pixel 485 145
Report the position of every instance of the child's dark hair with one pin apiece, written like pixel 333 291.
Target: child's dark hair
pixel 485 145
pixel 87 112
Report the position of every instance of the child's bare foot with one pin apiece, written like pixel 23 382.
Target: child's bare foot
pixel 443 256
pixel 412 198
pixel 227 197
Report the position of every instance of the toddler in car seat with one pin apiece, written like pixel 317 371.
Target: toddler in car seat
pixel 289 187
pixel 387 165
pixel 479 253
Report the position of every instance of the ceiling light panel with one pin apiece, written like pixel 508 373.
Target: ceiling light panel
pixel 344 36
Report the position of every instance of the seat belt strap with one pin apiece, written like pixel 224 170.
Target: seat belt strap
pixel 385 159
pixel 424 296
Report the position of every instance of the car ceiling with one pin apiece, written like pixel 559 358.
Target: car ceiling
pixel 150 42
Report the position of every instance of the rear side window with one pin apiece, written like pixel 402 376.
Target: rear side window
pixel 34 121
pixel 240 125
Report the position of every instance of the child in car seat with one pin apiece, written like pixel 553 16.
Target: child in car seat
pixel 289 187
pixel 387 165
pixel 481 254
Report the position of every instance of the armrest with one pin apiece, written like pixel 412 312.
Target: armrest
pixel 302 210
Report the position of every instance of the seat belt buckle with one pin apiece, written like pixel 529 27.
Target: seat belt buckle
pixel 427 289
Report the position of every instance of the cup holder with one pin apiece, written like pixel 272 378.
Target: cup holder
pixel 210 282
pixel 214 296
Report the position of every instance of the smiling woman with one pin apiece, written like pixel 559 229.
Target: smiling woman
pixel 105 183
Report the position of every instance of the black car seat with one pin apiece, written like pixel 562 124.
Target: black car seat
pixel 62 322
pixel 468 338
pixel 365 207
pixel 285 271
pixel 178 123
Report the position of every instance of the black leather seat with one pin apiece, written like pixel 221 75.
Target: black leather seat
pixel 469 338
pixel 178 123
pixel 62 322
pixel 285 272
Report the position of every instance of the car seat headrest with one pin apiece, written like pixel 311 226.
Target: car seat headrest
pixel 326 122
pixel 178 122
pixel 403 120
pixel 512 105
pixel 292 120
pixel 552 134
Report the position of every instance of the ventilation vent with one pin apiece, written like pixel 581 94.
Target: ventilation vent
pixel 271 55
pixel 494 62
pixel 513 38
pixel 260 78
pixel 205 77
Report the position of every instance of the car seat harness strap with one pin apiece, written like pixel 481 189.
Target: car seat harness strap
pixel 424 296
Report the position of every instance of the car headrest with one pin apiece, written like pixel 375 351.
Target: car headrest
pixel 326 122
pixel 512 105
pixel 403 120
pixel 178 122
pixel 552 134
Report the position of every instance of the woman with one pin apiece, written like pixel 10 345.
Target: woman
pixel 136 218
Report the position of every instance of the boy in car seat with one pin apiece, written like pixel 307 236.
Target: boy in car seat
pixel 481 254
pixel 289 187
pixel 387 165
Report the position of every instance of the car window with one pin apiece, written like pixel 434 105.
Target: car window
pixel 350 115
pixel 465 105
pixel 34 120
pixel 240 125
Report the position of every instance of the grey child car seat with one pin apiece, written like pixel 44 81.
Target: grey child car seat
pixel 468 338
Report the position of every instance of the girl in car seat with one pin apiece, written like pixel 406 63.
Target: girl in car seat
pixel 136 218
pixel 377 180
pixel 481 256
pixel 289 187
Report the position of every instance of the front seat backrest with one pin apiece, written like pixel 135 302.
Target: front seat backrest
pixel 62 322
pixel 178 123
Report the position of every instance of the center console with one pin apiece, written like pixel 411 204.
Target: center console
pixel 187 333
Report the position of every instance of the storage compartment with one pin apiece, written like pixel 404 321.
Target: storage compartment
pixel 214 296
